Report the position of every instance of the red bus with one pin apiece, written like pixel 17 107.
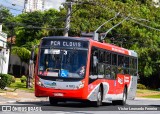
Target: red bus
pixel 70 68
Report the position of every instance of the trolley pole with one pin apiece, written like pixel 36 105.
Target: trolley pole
pixel 67 24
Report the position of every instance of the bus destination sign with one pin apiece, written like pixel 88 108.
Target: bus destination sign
pixel 65 43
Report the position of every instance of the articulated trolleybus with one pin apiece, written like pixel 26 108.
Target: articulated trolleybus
pixel 82 69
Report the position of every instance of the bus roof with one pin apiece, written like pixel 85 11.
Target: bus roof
pixel 106 46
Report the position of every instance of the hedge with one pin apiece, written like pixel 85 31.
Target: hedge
pixel 6 80
pixel 141 86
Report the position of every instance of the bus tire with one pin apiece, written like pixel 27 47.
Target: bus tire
pixel 53 101
pixel 123 101
pixel 99 98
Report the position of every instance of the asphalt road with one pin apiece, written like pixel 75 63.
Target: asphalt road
pixel 143 106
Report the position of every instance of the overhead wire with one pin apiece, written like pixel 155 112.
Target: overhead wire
pixel 31 26
pixel 13 8
pixel 12 3
pixel 132 18
pixel 144 25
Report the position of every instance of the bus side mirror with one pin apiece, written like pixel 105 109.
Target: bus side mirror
pixel 33 52
pixel 95 61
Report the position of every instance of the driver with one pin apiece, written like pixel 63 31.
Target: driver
pixel 82 71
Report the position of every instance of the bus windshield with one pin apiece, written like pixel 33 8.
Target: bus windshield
pixel 64 63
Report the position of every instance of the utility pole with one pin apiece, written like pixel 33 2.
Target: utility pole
pixel 69 11
pixel 12 35
pixel 25 5
pixel 67 24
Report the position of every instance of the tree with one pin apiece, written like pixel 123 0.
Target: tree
pixel 6 18
pixel 136 33
pixel 35 25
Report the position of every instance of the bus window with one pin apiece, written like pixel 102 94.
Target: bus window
pixel 94 62
pixel 113 72
pixel 121 64
pixel 133 66
pixel 114 66
pixel 100 70
pixel 57 62
pixel 101 56
pixel 114 59
pixel 108 71
pixel 126 67
pixel 131 63
pixel 107 57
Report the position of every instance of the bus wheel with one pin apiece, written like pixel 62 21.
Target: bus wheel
pixel 53 101
pixel 123 101
pixel 99 98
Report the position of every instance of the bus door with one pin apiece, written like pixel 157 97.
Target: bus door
pixel 110 76
pixel 120 75
pixel 132 87
pixel 133 78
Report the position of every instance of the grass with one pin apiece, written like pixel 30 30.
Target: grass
pixel 153 96
pixel 147 93
pixel 19 85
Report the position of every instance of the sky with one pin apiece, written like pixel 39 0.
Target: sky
pixel 16 6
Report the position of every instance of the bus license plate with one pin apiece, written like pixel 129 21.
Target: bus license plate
pixel 58 94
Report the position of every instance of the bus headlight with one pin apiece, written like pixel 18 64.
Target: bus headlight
pixel 80 85
pixel 40 83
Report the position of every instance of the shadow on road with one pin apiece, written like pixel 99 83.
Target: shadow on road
pixel 64 104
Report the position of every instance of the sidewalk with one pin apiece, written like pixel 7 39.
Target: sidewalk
pixel 19 96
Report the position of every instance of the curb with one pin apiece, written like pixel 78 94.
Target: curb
pixel 9 93
pixel 23 100
pixel 30 100
pixel 7 102
pixel 139 98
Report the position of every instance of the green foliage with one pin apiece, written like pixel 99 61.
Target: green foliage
pixel 13 79
pixel 34 22
pixel 141 86
pixel 6 18
pixel 18 84
pixel 5 80
pixel 23 79
pixel 153 96
pixel 22 52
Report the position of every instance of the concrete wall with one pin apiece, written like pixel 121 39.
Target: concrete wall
pixel 4 52
pixel 15 66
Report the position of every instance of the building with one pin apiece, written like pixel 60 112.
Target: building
pixel 33 5
pixel 156 3
pixel 4 52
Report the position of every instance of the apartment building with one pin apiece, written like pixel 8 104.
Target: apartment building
pixel 156 3
pixel 33 5
pixel 4 52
